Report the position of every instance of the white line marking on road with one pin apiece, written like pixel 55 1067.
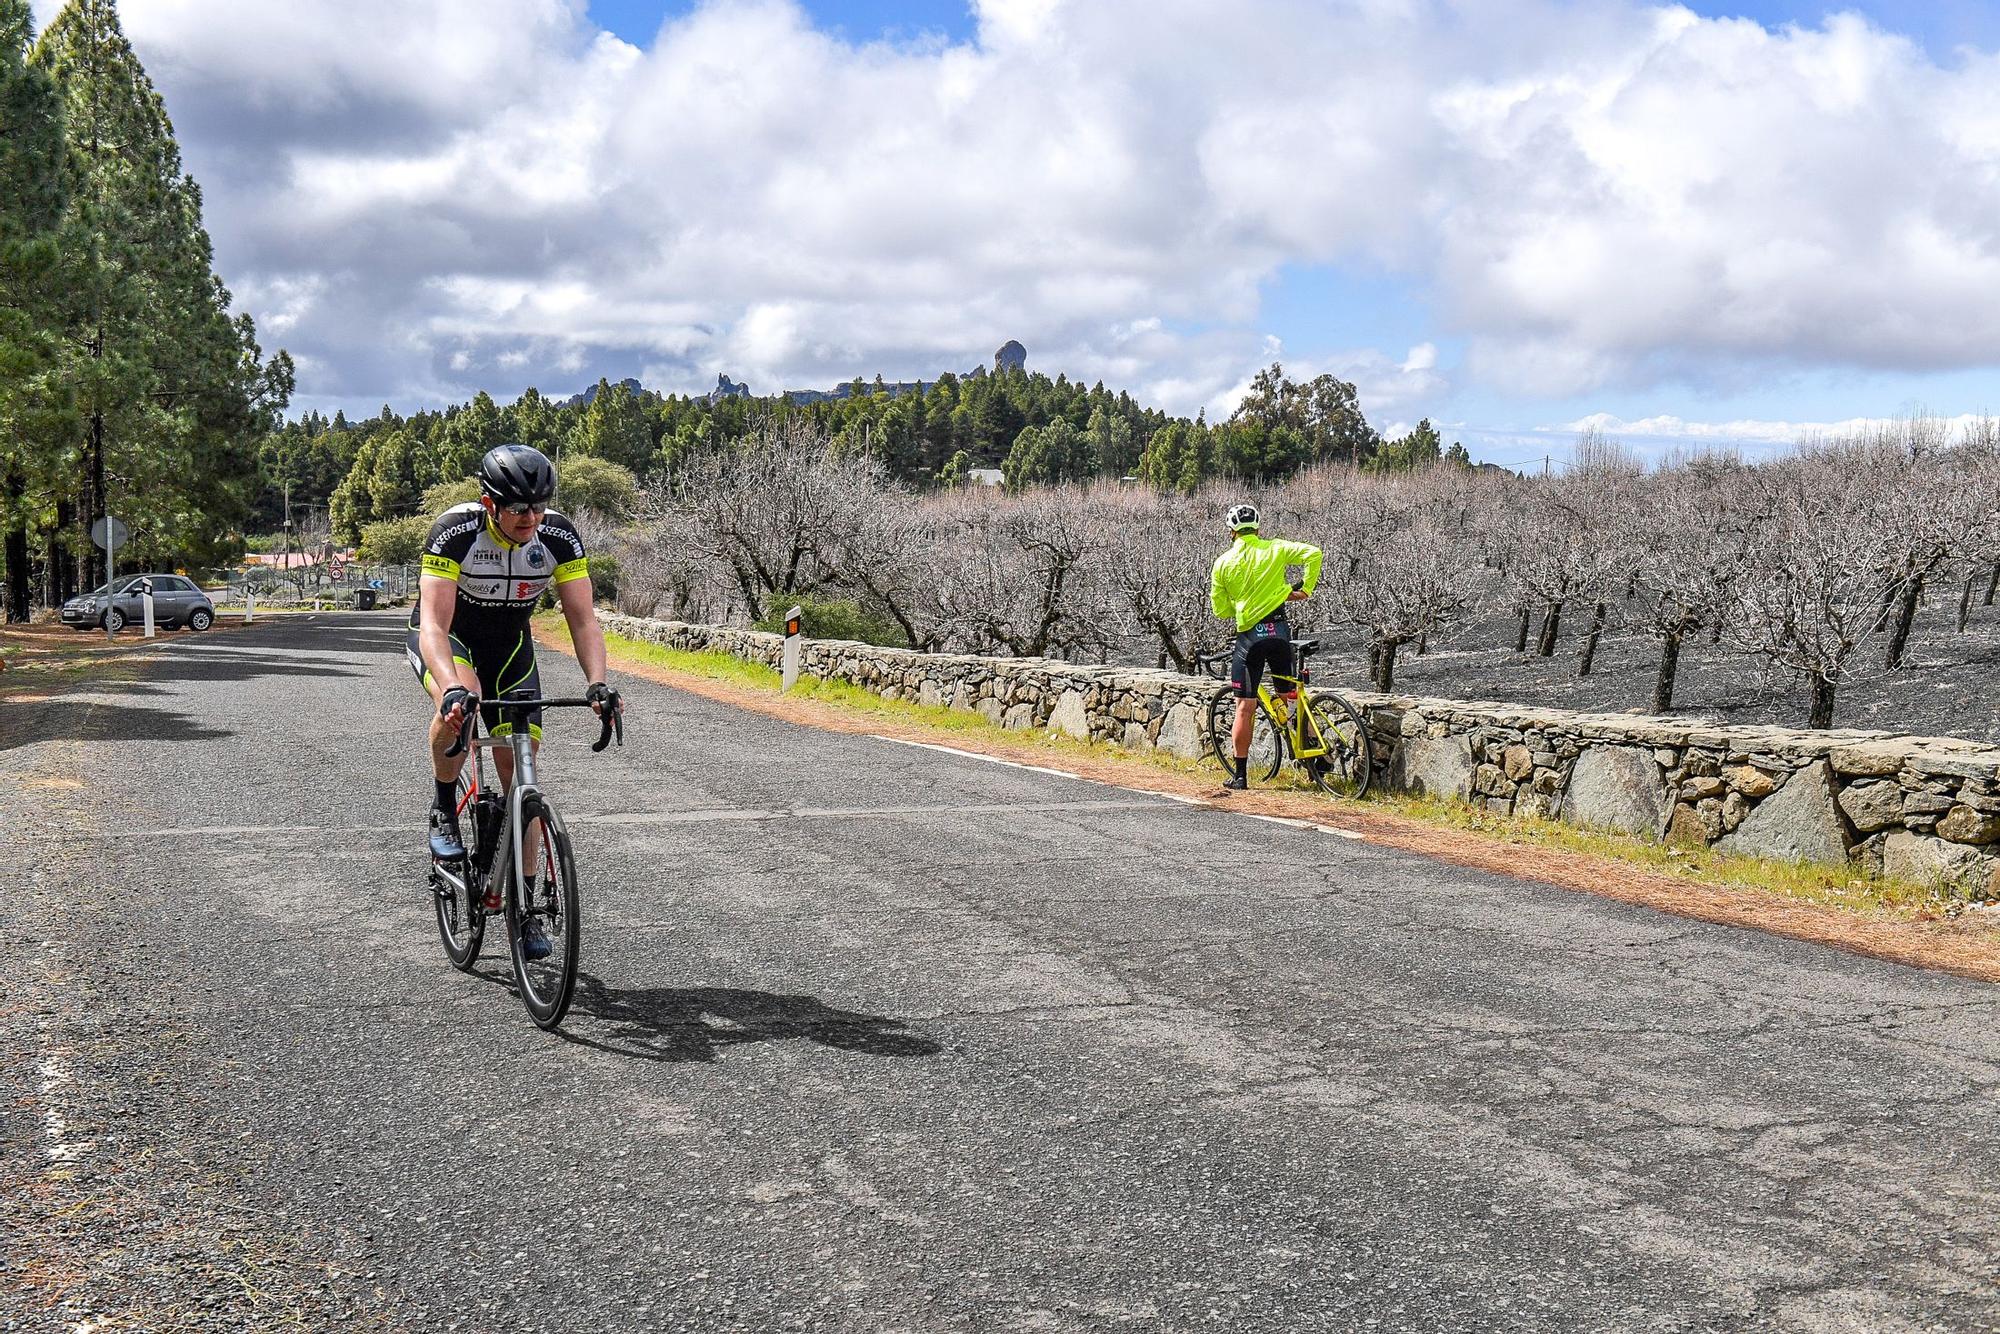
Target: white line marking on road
pixel 1279 819
pixel 975 755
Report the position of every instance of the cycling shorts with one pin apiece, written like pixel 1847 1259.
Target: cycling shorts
pixel 503 663
pixel 1265 644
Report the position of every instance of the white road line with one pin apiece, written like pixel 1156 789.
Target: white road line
pixel 1278 819
pixel 975 755
pixel 1167 796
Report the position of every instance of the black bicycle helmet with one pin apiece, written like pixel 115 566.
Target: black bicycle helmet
pixel 517 475
pixel 1242 518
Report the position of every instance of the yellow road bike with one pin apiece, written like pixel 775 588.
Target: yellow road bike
pixel 1319 731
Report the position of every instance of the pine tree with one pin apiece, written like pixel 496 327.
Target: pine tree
pixel 34 411
pixel 173 392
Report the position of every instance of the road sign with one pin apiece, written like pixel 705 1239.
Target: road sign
pixel 116 528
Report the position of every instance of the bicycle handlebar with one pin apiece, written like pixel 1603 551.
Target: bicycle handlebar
pixel 614 723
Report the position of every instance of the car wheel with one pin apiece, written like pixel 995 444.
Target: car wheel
pixel 114 620
pixel 200 619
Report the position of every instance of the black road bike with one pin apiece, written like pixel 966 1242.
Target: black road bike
pixel 507 834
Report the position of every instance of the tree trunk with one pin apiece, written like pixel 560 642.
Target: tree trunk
pixel 1906 616
pixel 1993 584
pixel 1375 660
pixel 61 579
pixel 16 554
pixel 1552 616
pixel 1385 667
pixel 1965 605
pixel 1423 643
pixel 1590 638
pixel 1882 616
pixel 1822 701
pixel 1663 682
pixel 1521 634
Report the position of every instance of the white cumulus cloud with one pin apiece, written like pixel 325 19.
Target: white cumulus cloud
pixel 430 196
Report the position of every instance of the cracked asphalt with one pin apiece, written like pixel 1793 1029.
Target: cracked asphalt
pixel 874 1037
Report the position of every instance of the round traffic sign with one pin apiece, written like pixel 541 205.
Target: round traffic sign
pixel 117 530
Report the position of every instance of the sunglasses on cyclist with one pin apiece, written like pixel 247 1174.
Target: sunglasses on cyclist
pixel 523 511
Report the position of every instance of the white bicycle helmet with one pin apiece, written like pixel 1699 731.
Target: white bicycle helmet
pixel 1242 518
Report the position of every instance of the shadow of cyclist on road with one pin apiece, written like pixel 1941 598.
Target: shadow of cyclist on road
pixel 698 1023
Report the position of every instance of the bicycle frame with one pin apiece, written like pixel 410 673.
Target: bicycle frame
pixel 1293 722
pixel 520 793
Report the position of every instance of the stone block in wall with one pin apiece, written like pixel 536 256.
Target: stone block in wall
pixel 1926 860
pixel 1963 824
pixel 1735 807
pixel 1872 804
pixel 1869 760
pixel 1518 762
pixel 1019 717
pixel 1702 788
pixel 1685 827
pixel 1800 822
pixel 1436 766
pixel 1490 780
pixel 991 710
pixel 1617 787
pixel 1537 805
pixel 1752 782
pixel 1183 733
pixel 1925 805
pixel 1069 716
pixel 1135 737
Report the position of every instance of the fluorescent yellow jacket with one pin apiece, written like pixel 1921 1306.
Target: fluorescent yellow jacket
pixel 1248 581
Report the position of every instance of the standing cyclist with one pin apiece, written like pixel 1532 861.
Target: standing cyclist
pixel 485 565
pixel 1248 585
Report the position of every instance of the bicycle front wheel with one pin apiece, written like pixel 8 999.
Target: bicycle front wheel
pixel 548 900
pixel 1267 750
pixel 1346 769
pixel 460 916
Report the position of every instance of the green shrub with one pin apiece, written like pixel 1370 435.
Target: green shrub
pixel 604 576
pixel 838 618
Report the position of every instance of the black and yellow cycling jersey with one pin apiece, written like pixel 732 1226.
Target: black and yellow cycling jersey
pixel 499 583
pixel 498 580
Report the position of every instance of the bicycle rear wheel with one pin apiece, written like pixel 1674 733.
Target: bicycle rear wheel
pixel 1346 768
pixel 550 900
pixel 1267 749
pixel 461 918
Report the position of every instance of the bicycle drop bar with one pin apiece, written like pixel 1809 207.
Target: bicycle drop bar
pixel 613 725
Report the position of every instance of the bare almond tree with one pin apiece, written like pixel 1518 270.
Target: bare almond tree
pixel 1420 568
pixel 1828 552
pixel 1156 551
pixel 774 510
pixel 1690 533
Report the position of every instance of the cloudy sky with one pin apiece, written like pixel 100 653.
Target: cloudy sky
pixel 1724 221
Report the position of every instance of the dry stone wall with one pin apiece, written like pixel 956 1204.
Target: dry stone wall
pixel 1921 808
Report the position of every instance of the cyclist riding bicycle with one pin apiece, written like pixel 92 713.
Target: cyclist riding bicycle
pixel 1248 585
pixel 485 565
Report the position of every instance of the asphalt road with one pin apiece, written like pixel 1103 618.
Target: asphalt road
pixel 875 1037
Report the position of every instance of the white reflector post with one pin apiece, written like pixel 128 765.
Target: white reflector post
pixel 146 600
pixel 249 605
pixel 791 670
